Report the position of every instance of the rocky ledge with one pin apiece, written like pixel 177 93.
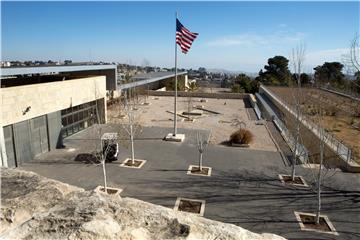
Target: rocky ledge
pixel 34 207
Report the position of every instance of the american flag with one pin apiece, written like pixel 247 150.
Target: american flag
pixel 184 37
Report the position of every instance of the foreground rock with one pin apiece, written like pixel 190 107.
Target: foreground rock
pixel 34 207
pixel 25 193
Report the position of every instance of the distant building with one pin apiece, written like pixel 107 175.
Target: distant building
pixel 5 64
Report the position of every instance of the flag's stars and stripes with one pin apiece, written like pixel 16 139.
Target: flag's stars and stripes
pixel 184 37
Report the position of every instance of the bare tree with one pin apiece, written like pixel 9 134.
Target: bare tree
pixel 323 171
pixel 147 94
pixel 318 179
pixel 201 145
pixel 132 126
pixel 109 150
pixel 191 88
pixel 354 52
pixel 351 61
pixel 297 59
pixel 102 154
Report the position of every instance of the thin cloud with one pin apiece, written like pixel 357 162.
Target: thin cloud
pixel 277 38
pixel 328 55
pixel 282 25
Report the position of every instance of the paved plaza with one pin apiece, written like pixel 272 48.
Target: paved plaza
pixel 244 188
pixel 222 125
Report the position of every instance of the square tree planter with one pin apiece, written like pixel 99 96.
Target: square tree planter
pixel 287 180
pixel 194 170
pixel 110 190
pixel 194 206
pixel 307 223
pixel 138 163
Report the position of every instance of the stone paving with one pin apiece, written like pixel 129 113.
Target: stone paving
pixel 243 189
pixel 221 125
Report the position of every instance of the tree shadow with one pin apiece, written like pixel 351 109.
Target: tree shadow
pixel 247 103
pixel 87 158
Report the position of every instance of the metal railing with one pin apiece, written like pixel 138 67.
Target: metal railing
pixel 301 151
pixel 350 94
pixel 343 151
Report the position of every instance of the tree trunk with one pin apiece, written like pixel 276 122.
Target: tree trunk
pixel 200 161
pixel 104 172
pixel 297 133
pixel 294 160
pixel 132 144
pixel 188 106
pixel 293 163
pixel 319 178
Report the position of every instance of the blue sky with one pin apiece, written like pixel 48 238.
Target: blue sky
pixel 232 35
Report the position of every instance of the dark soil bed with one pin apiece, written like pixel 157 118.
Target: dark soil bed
pixel 196 170
pixel 288 180
pixel 109 191
pixel 309 222
pixel 129 163
pixel 189 206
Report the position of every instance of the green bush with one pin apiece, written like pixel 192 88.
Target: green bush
pixel 236 88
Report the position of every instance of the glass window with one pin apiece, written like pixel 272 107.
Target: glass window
pixel 69 131
pixel 76 128
pixel 64 121
pixel 70 119
pixel 64 133
pixel 76 117
pixel 81 116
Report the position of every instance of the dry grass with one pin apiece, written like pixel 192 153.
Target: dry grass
pixel 342 118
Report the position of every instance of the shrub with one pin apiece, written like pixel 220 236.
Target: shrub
pixel 236 88
pixel 330 111
pixel 356 111
pixel 241 136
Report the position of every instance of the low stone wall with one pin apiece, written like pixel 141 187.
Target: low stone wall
pixel 301 150
pixel 356 98
pixel 201 95
pixel 253 103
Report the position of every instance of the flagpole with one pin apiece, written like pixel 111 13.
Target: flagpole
pixel 175 98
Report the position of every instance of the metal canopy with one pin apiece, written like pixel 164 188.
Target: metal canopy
pixel 53 69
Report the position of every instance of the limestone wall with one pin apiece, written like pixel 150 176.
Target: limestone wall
pixel 44 98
